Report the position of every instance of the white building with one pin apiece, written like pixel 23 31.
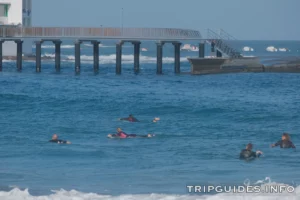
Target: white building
pixel 12 13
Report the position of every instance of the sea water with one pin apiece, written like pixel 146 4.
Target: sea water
pixel 205 122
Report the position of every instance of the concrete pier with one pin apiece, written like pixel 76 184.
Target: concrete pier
pixel 119 57
pixel 19 54
pixel 96 55
pixel 57 54
pixel 201 49
pixel 159 46
pixel 136 56
pixel 1 54
pixel 177 57
pixel 38 60
pixel 77 56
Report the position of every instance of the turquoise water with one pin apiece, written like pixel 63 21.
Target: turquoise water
pixel 205 122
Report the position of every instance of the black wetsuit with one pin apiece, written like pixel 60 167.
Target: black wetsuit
pixel 130 119
pixel 247 154
pixel 285 144
pixel 58 141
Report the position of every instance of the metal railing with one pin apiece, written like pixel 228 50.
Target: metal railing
pixel 221 42
pixel 99 33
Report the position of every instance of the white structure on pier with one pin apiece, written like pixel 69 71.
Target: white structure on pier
pixel 16 13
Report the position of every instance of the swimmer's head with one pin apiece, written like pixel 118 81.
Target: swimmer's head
pixel 286 136
pixel 249 146
pixel 149 135
pixel 119 130
pixel 54 137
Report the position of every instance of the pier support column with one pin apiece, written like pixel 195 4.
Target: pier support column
pixel 19 54
pixel 1 55
pixel 213 46
pixel 219 54
pixel 77 56
pixel 159 47
pixel 119 57
pixel 57 54
pixel 96 55
pixel 201 50
pixel 136 56
pixel 38 54
pixel 177 57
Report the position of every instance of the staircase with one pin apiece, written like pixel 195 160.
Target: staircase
pixel 221 43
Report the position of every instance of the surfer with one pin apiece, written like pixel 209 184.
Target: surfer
pixel 122 134
pixel 131 118
pixel 248 153
pixel 285 142
pixel 56 140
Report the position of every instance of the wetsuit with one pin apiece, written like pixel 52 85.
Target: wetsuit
pixel 130 119
pixel 285 144
pixel 58 141
pixel 247 154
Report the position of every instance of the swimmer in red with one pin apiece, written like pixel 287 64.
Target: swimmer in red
pixel 122 134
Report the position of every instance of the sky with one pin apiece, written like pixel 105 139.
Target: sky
pixel 244 19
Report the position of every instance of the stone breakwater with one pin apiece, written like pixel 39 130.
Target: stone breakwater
pixel 248 64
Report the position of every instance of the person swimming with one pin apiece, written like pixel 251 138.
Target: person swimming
pixel 130 118
pixel 285 142
pixel 122 134
pixel 249 154
pixel 56 140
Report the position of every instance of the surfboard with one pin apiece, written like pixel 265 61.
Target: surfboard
pixel 111 136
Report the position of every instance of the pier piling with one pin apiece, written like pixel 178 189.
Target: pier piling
pixel 159 46
pixel 136 56
pixel 96 55
pixel 177 57
pixel 77 56
pixel 1 55
pixel 57 54
pixel 219 54
pixel 19 54
pixel 38 54
pixel 201 50
pixel 119 57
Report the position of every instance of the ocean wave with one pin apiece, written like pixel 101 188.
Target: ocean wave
pixel 19 194
pixel 111 59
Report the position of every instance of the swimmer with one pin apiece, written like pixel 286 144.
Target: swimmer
pixel 56 140
pixel 248 153
pixel 121 134
pixel 156 119
pixel 285 142
pixel 131 118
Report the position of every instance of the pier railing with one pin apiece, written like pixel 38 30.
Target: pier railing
pixel 99 33
pixel 221 42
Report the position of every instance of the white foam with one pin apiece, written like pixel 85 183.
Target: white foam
pixel 111 59
pixel 248 49
pixel 17 194
pixel 271 49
